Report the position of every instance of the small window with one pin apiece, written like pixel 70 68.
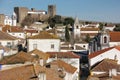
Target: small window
pixel 105 39
pixel 84 46
pixel 8 43
pixel 52 46
pixel 77 27
pixel 34 46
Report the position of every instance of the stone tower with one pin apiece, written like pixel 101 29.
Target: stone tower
pixel 21 13
pixel 51 10
pixel 2 17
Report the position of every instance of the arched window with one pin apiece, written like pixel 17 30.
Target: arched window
pixel 77 27
pixel 105 39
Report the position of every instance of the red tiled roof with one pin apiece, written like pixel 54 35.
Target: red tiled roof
pixel 30 31
pixel 89 29
pixel 114 36
pixel 5 36
pixel 63 55
pixel 61 64
pixel 12 29
pixel 20 57
pixel 92 55
pixel 106 65
pixel 19 73
pixel 91 34
pixel 40 54
pixel 44 35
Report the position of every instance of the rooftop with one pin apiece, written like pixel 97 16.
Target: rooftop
pixel 44 35
pixel 6 36
pixel 63 55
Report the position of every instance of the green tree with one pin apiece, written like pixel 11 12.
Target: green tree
pixel 100 26
pixel 87 39
pixel 67 35
pixel 117 28
pixel 51 22
pixel 68 21
pixel 28 21
pixel 54 20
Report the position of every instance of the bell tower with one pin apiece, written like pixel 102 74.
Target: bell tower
pixel 76 29
pixel 104 39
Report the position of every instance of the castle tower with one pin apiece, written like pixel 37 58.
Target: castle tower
pixel 21 13
pixel 77 29
pixel 2 17
pixel 51 10
pixel 14 19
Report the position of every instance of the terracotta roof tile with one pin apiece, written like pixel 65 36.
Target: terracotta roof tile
pixel 91 34
pixel 20 57
pixel 114 36
pixel 63 55
pixel 5 36
pixel 67 67
pixel 19 73
pixel 30 31
pixel 12 29
pixel 92 55
pixel 40 54
pixel 44 35
pixel 106 65
pixel 51 74
pixel 89 29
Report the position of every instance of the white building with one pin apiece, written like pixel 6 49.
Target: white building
pixel 109 53
pixel 69 57
pixel 10 20
pixel 44 42
pixel 69 71
pixel 8 41
pixel 14 31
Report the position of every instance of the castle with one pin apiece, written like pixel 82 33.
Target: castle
pixel 22 12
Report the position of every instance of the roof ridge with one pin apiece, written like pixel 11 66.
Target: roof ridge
pixel 91 55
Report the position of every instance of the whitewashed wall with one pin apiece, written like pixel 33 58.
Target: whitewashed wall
pixel 108 54
pixel 44 44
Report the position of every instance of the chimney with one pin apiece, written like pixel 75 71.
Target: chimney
pixel 32 9
pixel 112 72
pixel 41 62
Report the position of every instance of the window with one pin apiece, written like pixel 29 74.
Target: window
pixel 19 34
pixel 105 39
pixel 8 44
pixel 84 46
pixel 52 46
pixel 77 27
pixel 34 46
